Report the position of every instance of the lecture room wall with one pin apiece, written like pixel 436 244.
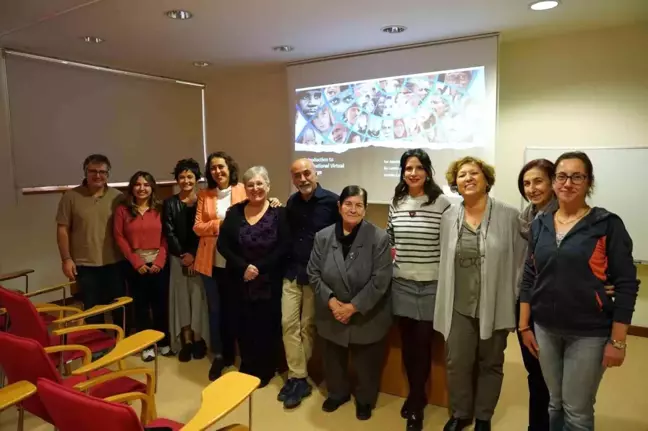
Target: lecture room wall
pixel 563 88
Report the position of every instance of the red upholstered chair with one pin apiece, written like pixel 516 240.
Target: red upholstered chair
pixel 75 411
pixel 25 359
pixel 26 322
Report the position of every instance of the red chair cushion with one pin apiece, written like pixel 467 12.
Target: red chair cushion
pixel 164 423
pixel 112 387
pixel 94 340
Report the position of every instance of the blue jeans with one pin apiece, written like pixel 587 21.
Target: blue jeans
pixel 572 368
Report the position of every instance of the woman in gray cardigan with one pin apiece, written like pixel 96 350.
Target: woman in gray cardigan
pixel 350 269
pixel 481 256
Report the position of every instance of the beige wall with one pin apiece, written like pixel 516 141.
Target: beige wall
pixel 583 89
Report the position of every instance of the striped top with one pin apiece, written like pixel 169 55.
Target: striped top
pixel 414 229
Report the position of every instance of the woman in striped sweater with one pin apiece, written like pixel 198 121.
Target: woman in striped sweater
pixel 413 227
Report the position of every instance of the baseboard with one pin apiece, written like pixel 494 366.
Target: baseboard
pixel 638 331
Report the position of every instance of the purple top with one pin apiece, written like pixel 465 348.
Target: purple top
pixel 257 241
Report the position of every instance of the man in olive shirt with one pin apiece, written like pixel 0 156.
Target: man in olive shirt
pixel 84 234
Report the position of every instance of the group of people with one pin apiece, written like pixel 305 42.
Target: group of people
pixel 246 270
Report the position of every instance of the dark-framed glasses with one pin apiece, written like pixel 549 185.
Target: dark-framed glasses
pixel 576 179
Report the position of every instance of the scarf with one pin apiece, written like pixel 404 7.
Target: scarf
pixel 531 212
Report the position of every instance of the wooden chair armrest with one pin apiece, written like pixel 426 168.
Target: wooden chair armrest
pixel 148 372
pixel 95 327
pixel 3 311
pixel 60 309
pixel 87 354
pixel 125 348
pixel 49 289
pixel 234 427
pixel 15 393
pixel 145 399
pixel 220 398
pixel 11 275
pixel 96 310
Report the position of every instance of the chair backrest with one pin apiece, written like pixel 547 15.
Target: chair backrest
pixel 25 359
pixel 25 320
pixel 75 411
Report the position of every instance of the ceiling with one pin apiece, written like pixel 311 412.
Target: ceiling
pixel 138 36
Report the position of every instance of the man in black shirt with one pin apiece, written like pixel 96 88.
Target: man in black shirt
pixel 311 209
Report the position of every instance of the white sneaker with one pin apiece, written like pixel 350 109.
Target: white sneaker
pixel 165 351
pixel 148 354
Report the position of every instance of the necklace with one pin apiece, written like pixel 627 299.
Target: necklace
pixel 587 211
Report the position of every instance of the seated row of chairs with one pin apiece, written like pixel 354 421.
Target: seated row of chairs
pixel 41 341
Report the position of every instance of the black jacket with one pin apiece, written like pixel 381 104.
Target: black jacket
pixel 178 221
pixel 565 284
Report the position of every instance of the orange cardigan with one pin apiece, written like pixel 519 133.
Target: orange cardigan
pixel 207 226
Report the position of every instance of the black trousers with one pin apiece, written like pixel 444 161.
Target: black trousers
pixel 538 392
pixel 227 316
pixel 259 336
pixel 151 301
pixel 100 285
pixel 416 337
pixel 367 360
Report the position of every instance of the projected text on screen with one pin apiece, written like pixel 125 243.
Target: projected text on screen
pixel 436 110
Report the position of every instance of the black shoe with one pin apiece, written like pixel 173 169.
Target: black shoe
pixel 363 412
pixel 216 368
pixel 405 409
pixel 286 390
pixel 481 425
pixel 185 352
pixel 331 404
pixel 199 349
pixel 456 424
pixel 414 421
pixel 264 383
pixel 301 390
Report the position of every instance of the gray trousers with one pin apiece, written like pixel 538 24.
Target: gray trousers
pixel 367 362
pixel 475 368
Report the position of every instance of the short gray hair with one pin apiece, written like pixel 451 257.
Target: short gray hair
pixel 254 171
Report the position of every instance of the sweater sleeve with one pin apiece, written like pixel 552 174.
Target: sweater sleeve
pixel 228 244
pixel 622 272
pixel 529 270
pixel 119 223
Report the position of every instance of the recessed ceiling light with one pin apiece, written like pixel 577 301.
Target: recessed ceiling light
pixel 179 14
pixel 93 39
pixel 394 29
pixel 201 63
pixel 544 4
pixel 283 48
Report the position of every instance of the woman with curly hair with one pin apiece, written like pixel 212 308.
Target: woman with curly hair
pixel 138 233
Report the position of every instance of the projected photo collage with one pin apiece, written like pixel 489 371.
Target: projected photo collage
pixel 432 110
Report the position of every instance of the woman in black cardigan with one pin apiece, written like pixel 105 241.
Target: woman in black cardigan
pixel 254 241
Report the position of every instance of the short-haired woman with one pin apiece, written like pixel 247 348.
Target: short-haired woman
pixel 254 240
pixel 413 225
pixel 481 257
pixel 534 184
pixel 350 269
pixel 188 320
pixel 138 233
pixel 573 252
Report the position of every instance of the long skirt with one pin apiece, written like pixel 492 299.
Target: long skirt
pixel 187 305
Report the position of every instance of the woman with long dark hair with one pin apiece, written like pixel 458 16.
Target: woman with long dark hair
pixel 413 226
pixel 138 233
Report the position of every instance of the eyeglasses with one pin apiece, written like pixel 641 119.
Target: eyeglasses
pixel 576 179
pixel 97 172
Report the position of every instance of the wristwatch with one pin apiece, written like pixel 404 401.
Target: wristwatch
pixel 621 345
